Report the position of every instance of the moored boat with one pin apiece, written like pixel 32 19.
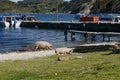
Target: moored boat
pixel 9 22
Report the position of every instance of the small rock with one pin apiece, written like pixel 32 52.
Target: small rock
pixel 56 74
pixel 78 57
pixel 63 58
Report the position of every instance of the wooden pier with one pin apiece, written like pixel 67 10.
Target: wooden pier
pixel 88 33
pixel 74 25
pixel 82 27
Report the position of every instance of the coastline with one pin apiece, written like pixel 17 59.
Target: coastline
pixel 25 55
pixel 95 47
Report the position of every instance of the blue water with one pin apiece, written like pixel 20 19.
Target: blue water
pixel 47 17
pixel 14 39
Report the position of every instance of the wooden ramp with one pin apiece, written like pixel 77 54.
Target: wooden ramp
pixel 97 33
pixel 89 33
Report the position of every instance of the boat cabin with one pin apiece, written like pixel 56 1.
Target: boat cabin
pixel 8 18
pixel 31 18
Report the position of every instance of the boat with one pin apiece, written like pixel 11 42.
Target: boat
pixel 9 22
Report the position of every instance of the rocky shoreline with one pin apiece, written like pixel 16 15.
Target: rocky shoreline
pixel 96 47
pixel 25 55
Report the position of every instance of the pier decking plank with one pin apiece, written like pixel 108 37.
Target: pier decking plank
pixel 89 32
pixel 104 26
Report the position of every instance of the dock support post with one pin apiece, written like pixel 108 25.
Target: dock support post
pixel 66 38
pixel 85 36
pixel 72 38
pixel 93 37
pixel 109 38
pixel 65 33
pixel 103 37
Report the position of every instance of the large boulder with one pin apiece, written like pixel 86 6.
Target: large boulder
pixel 43 45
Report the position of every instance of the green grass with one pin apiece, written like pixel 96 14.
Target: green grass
pixel 93 66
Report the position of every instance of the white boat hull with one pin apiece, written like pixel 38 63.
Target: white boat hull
pixel 13 25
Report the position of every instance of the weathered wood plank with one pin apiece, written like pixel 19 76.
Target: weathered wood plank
pixel 88 32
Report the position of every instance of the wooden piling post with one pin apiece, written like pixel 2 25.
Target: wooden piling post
pixel 65 33
pixel 66 38
pixel 103 37
pixel 109 37
pixel 93 37
pixel 72 37
pixel 85 35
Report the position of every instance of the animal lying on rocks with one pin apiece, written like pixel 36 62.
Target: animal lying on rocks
pixel 63 50
pixel 116 48
pixel 43 45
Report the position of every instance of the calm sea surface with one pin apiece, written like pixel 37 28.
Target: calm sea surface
pixel 15 39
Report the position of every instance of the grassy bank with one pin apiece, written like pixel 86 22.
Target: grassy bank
pixel 93 66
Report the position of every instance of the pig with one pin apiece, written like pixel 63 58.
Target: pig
pixel 63 50
pixel 43 45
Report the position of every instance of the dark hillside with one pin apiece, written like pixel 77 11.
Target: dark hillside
pixel 50 6
pixel 92 6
